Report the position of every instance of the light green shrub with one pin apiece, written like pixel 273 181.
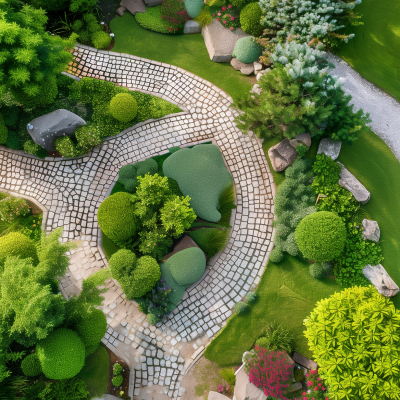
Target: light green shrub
pixel 88 136
pixel 3 130
pixel 228 375
pixel 276 255
pixel 117 369
pixel 250 19
pixel 321 236
pixel 246 50
pixel 354 336
pixel 65 146
pixel 116 217
pixel 31 147
pixel 31 365
pixel 152 319
pixel 101 40
pixel 251 297
pixel 61 354
pixel 204 18
pixel 16 244
pixel 117 380
pixel 275 337
pixel 151 19
pixel 123 107
pixel 193 7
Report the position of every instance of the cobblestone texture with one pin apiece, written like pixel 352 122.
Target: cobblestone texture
pixel 73 189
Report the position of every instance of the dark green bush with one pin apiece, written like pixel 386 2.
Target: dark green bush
pixel 276 255
pixel 47 95
pixel 317 270
pixel 91 329
pixel 67 389
pixel 275 337
pixel 173 11
pixel 10 115
pixel 321 236
pixel 127 175
pixel 123 107
pixel 117 380
pixel 3 130
pixel 31 365
pixel 116 217
pixel 16 244
pixel 210 240
pixel 251 297
pixel 246 50
pixel 250 19
pixel 13 141
pixel 152 20
pixel 61 354
pixel 241 308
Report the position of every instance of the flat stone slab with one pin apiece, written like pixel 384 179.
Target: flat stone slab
pixel 302 138
pixel 371 230
pixel 220 41
pixel 191 27
pixel 329 147
pixel 121 11
pixel 379 277
pixel 304 361
pixel 216 396
pixel 353 185
pixel 282 155
pixel 134 6
pixel 245 390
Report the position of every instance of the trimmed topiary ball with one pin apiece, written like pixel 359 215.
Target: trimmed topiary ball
pixel 101 40
pixel 276 255
pixel 116 217
pixel 91 329
pixel 321 236
pixel 251 297
pixel 317 270
pixel 117 369
pixel 246 50
pixel 250 19
pixel 17 245
pixel 61 354
pixel 31 365
pixel 123 107
pixel 241 307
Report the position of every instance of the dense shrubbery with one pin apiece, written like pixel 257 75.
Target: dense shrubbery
pixel 250 19
pixel 31 365
pixel 3 130
pixel 16 244
pixel 128 174
pixel 247 50
pixel 321 236
pixel 354 336
pixel 152 20
pixel 13 208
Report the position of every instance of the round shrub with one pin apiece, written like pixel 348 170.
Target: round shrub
pixel 262 342
pixel 31 365
pixel 276 255
pixel 116 217
pixel 151 19
pixel 3 130
pixel 147 273
pixel 317 270
pixel 65 146
pixel 31 147
pixel 193 7
pixel 101 40
pixel 128 174
pixel 117 380
pixel 251 297
pixel 16 244
pixel 123 107
pixel 152 319
pixel 321 236
pixel 91 328
pixel 241 307
pixel 250 19
pixel 246 50
pixel 61 354
pixel 117 369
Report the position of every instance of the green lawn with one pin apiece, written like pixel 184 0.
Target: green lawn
pixel 186 51
pixel 375 50
pixel 95 372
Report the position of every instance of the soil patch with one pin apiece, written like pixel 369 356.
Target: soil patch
pixel 111 389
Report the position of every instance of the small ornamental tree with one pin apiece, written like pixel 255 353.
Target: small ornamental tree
pixel 270 371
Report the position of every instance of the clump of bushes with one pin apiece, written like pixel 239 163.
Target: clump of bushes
pixel 12 208
pixel 318 270
pixel 321 236
pixel 250 19
pixel 152 20
pixel 247 50
pixel 117 372
pixel 128 174
pixel 174 13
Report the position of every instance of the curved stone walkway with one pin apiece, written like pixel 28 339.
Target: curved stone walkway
pixel 72 190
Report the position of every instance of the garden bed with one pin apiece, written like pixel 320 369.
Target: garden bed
pixel 111 389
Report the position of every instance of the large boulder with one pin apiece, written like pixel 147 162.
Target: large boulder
pixel 46 129
pixel 353 185
pixel 381 280
pixel 282 155
pixel 330 148
pixel 245 390
pixel 302 138
pixel 134 6
pixel 371 230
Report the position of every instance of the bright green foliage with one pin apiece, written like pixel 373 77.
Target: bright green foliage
pixel 247 50
pixel 210 240
pixel 66 147
pixel 30 56
pixel 101 40
pixel 91 329
pixel 88 136
pixel 136 276
pixel 127 175
pixel 317 270
pixel 354 336
pixel 90 33
pixel 241 308
pixel 61 354
pixel 29 309
pixel 13 208
pixel 117 380
pixel 227 200
pixel 228 375
pixel 3 130
pixel 31 365
pixel 117 369
pixel 177 216
pixel 204 18
pixel 31 147
pixel 251 297
pixel 155 243
pixel 250 19
pixel 123 107
pixel 201 175
pixel 275 337
pixel 193 7
pixel 116 217
pixel 321 236
pixel 294 200
pixel 152 20
pixel 152 318
pixel 16 244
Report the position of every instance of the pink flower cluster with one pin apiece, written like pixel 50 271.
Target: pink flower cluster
pixel 316 387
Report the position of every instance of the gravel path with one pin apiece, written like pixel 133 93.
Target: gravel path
pixel 384 110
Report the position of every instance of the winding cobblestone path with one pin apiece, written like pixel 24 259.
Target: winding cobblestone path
pixel 72 190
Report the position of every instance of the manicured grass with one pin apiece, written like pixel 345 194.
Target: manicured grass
pixel 95 372
pixel 375 50
pixel 287 294
pixel 377 168
pixel 186 51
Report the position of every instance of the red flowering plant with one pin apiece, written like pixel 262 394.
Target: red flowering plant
pixel 228 17
pixel 316 387
pixel 270 371
pixel 173 11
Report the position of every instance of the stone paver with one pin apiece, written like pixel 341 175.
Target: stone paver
pixel 72 190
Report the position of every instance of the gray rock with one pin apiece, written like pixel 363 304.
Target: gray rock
pixel 282 155
pixel 295 386
pixel 134 6
pixel 304 361
pixel 191 27
pixel 330 148
pixel 257 67
pixel 152 3
pixel 47 128
pixel 245 390
pixel 216 396
pixel 381 280
pixel 261 73
pixel 236 64
pixel 304 138
pixel 247 69
pixel 371 230
pixel 353 185
pixel 220 41
pixel 256 89
pixel 121 11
